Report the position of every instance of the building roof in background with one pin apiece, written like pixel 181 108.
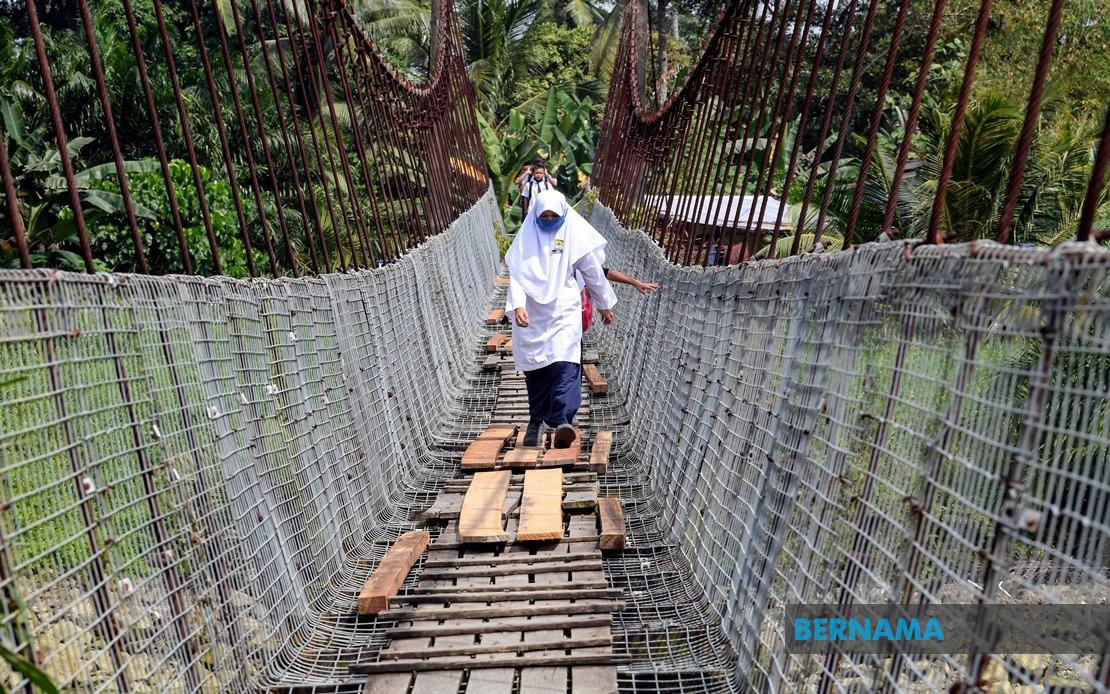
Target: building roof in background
pixel 727 211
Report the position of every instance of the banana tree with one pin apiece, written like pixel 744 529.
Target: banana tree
pixel 42 193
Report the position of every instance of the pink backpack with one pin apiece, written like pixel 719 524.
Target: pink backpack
pixel 587 310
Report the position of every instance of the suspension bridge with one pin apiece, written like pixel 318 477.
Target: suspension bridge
pixel 311 479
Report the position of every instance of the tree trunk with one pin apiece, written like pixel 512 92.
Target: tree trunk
pixel 661 30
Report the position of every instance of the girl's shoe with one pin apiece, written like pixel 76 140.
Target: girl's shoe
pixel 564 436
pixel 532 434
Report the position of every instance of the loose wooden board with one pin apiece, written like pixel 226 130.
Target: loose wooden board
pixel 541 510
pixel 483 452
pixel 599 454
pixel 598 386
pixel 611 513
pixel 495 342
pixel 494 316
pixel 391 572
pixel 564 456
pixel 521 456
pixel 483 508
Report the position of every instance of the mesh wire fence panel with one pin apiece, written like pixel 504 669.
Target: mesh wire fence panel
pixel 197 475
pixel 888 425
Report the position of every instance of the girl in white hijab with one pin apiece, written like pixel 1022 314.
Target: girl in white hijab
pixel 554 247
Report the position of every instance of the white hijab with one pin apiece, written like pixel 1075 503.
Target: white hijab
pixel 531 260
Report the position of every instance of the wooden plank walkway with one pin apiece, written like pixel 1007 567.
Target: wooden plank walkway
pixel 493 611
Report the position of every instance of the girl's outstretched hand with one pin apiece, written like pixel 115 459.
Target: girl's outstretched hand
pixel 607 317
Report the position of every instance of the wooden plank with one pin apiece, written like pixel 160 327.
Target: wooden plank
pixel 486 649
pixel 507 348
pixel 537 624
pixel 501 281
pixel 564 456
pixel 527 588
pixel 585 565
pixel 391 572
pixel 503 559
pixel 521 455
pixel 520 596
pixel 598 386
pixel 492 363
pixel 446 506
pixel 446 546
pixel 481 517
pixel 460 489
pixel 611 513
pixel 599 454
pixel 590 356
pixel 483 451
pixel 461 484
pixel 565 608
pixel 582 498
pixel 494 316
pixel 495 342
pixel 557 659
pixel 389 683
pixel 590 679
pixel 541 511
pixel 593 679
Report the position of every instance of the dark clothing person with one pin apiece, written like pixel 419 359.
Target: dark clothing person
pixel 554 392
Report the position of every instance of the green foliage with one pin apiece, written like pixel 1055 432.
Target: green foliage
pixel 36 677
pixel 557 56
pixel 111 235
pixel 560 130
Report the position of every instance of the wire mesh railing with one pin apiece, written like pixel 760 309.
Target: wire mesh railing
pixel 196 475
pixel 784 138
pixel 240 138
pixel 875 426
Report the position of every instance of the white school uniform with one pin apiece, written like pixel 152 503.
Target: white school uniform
pixel 542 278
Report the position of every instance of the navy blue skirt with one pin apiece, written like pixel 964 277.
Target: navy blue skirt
pixel 554 392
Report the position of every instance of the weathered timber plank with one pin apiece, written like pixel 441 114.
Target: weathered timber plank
pixel 446 546
pixel 501 281
pixel 537 624
pixel 581 499
pixel 611 513
pixel 527 588
pixel 599 454
pixel 495 316
pixel 501 595
pixel 593 679
pixel 388 683
pixel 585 565
pixel 495 341
pixel 481 517
pixel 521 455
pixel 391 572
pixel 483 452
pixel 446 506
pixel 598 386
pixel 564 456
pixel 570 479
pixel 472 663
pixel 503 559
pixel 541 512
pixel 486 649
pixel 567 609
